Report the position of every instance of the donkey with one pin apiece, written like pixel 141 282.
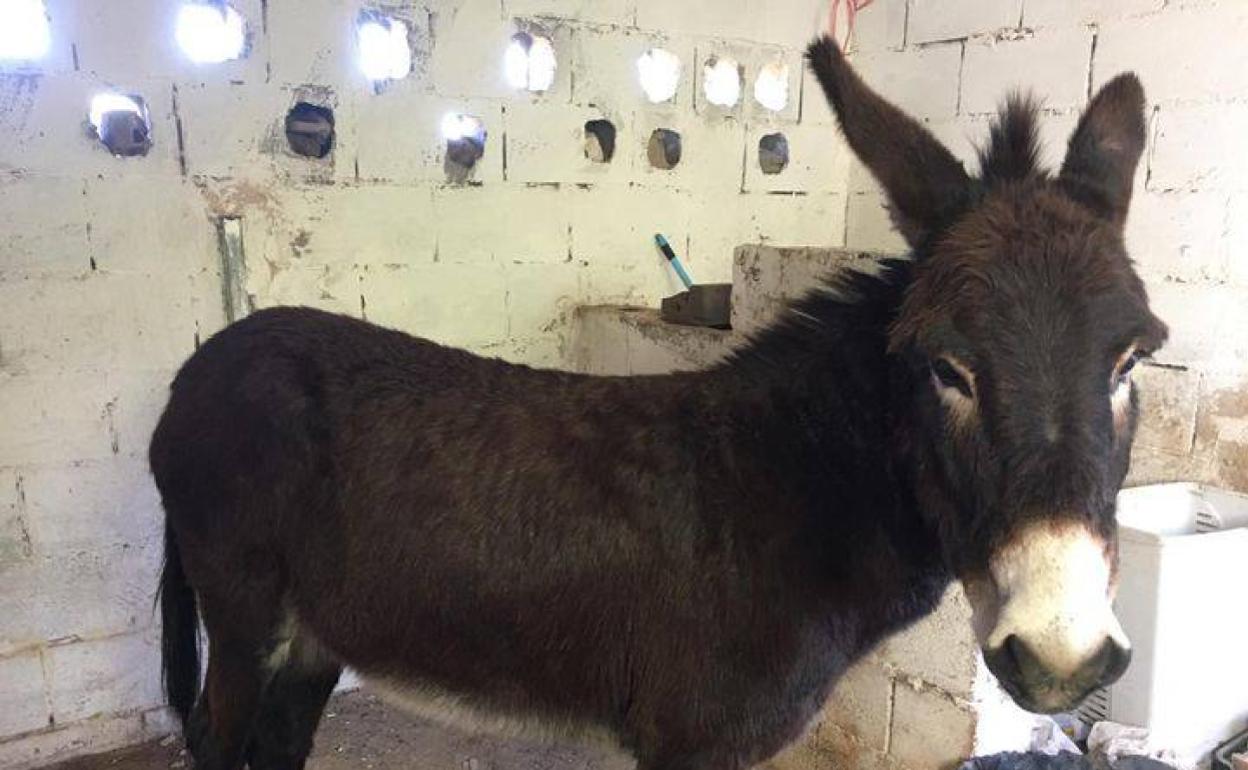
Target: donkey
pixel 683 563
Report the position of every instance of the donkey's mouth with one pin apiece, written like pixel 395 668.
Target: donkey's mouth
pixel 1035 688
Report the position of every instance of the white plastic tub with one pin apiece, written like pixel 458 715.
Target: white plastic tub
pixel 1183 600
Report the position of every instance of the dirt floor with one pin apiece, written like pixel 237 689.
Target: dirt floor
pixel 359 731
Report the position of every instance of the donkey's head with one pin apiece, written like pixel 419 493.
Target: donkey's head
pixel 1022 323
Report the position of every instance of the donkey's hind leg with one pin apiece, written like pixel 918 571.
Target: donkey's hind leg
pixel 291 708
pixel 222 720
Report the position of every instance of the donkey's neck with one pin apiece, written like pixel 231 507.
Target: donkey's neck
pixel 835 404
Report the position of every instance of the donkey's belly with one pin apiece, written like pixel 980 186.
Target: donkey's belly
pixel 464 712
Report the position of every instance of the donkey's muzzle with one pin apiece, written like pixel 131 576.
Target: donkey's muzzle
pixel 1036 687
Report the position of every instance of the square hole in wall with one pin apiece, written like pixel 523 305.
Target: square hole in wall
pixel 600 140
pixel 721 81
pixel 310 130
pixel 210 32
pixel 659 73
pixel 24 31
pixel 122 124
pixel 773 153
pixel 465 137
pixel 530 62
pixel 664 149
pixel 771 87
pixel 385 47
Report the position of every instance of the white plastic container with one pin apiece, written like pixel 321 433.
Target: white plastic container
pixel 1183 601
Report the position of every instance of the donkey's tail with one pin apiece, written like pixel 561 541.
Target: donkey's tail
pixel 179 636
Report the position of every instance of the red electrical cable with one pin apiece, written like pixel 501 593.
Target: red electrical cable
pixel 852 7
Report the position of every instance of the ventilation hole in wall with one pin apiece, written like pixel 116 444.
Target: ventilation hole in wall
pixel 310 130
pixel 465 145
pixel 659 72
pixel 24 31
pixel 385 53
pixel 664 149
pixel 121 122
pixel 771 88
pixel 210 32
pixel 721 82
pixel 600 140
pixel 773 153
pixel 530 62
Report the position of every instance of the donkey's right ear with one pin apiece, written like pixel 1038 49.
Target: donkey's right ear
pixel 926 186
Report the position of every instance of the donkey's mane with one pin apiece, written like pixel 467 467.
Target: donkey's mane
pixel 1012 153
pixel 846 307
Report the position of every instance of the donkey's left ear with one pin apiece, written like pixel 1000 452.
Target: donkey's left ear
pixel 1105 148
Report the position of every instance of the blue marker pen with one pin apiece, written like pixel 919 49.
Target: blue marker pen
pixel 666 248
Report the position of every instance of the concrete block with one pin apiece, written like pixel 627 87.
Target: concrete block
pixel 44 221
pixel 107 325
pixel 617 227
pixel 867 226
pixel 44 128
pixel 1222 436
pixel 605 62
pixel 929 730
pixel 793 61
pixel 81 506
pixel 453 304
pixel 792 24
pixel 1169 399
pixel 506 223
pixel 1160 54
pixel 81 594
pixel 1060 13
pixel 940 648
pixel 540 298
pixel 546 144
pixel 548 351
pixel 343 225
pixel 818 161
pixel 620 12
pixel 333 288
pixel 140 395
pixel 59 58
pixel 103 677
pixel 1179 235
pixel 638 284
pixel 815 108
pixel 766 278
pixel 657 347
pixel 314 42
pixel 1051 65
pixel 599 341
pixel 148 29
pixel 862 703
pixel 921 81
pixel 54 418
pixel 931 20
pixel 400 137
pixel 882 25
pixel 239 130
pixel 171 233
pixel 721 18
pixel 1189 149
pixel 470 38
pixel 23 698
pixel 712 152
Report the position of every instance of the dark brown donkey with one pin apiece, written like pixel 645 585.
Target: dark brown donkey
pixel 684 563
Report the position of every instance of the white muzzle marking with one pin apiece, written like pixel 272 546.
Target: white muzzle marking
pixel 1051 589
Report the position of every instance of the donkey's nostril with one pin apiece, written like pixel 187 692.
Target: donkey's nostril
pixel 1107 665
pixel 1025 661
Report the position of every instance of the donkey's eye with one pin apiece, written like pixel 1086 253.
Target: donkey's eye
pixel 947 376
pixel 1124 369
